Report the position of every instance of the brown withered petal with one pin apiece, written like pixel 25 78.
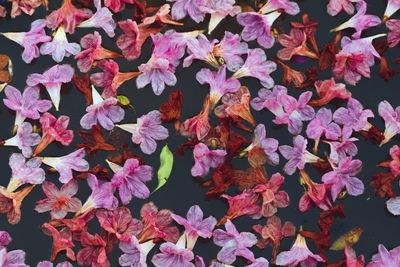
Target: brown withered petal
pixel 93 140
pixel 329 51
pixel 83 85
pixel 385 72
pixel 382 183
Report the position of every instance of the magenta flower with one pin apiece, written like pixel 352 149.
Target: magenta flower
pixel 204 159
pixel 59 201
pixel 59 47
pixel 218 9
pixel 315 193
pixel 245 203
pixel 355 59
pixel 106 112
pixel 135 254
pixel 182 8
pixel 359 21
pixel 5 238
pixel 257 66
pixel 343 148
pixel 219 85
pixel 173 255
pixel 268 145
pixel 258 26
pixel 24 139
pixel 334 7
pixel 322 125
pixel 343 176
pixel 231 50
pixel 394 163
pixel 53 79
pixel 130 180
pixel 117 5
pixel 385 257
pixel 102 196
pixel 393 37
pixel 391 8
pixel 26 105
pixel 198 126
pixel 297 155
pixel 391 117
pixel 101 19
pixel 269 99
pixel 298 254
pixel 66 164
pixel 195 225
pixel 146 131
pixel 30 40
pixel 24 172
pixel 200 48
pixel 292 8
pixel 234 243
pixel 14 258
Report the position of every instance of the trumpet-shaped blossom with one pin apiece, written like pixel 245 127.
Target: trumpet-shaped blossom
pixel 343 148
pixel 297 155
pixel 359 21
pixel 195 225
pixel 245 203
pixel 298 254
pixel 117 5
pixel 111 78
pixel 334 7
pixel 204 159
pixel 268 145
pixel 146 131
pixel 62 241
pixel 294 45
pixel 66 164
pixel 384 257
pixel 30 40
pixel 231 50
pixel 201 48
pixel 234 243
pixel 198 125
pixel 135 254
pixel 59 201
pixel 14 258
pixel 106 112
pixel 182 8
pixel 26 105
pixel 54 129
pixel 218 9
pixel 291 8
pixel 130 180
pixel 391 8
pixel 391 117
pixel 162 15
pixel 52 79
pixel 328 90
pixel 393 37
pixel 258 27
pixel 24 139
pixel 10 203
pixel 101 19
pixel 24 172
pixel 343 176
pixel 59 47
pixel 219 85
pixel 269 99
pixel 173 255
pixel 315 194
pixel 257 66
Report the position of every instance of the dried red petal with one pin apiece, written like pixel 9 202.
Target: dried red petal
pixel 382 183
pixel 83 84
pixel 94 140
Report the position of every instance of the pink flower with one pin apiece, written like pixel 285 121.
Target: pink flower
pixel 24 172
pixel 93 251
pixel 292 8
pixel 111 78
pixel 130 180
pixel 298 254
pixel 334 7
pixel 395 160
pixel 5 238
pixel 219 85
pixel 328 90
pixel 297 155
pixel 54 129
pixel 391 8
pixel 394 35
pixel 344 148
pixel 102 196
pixel 245 203
pixel 106 112
pixel 30 40
pixel 202 49
pixel 146 131
pixel 234 244
pixel 391 117
pixel 162 15
pixel 231 50
pixel 294 44
pixel 67 15
pixel 258 26
pixel 393 205
pixel 24 139
pixel 117 5
pixel 259 262
pixel 59 201
pixel 198 125
pixel 355 59
pixel 182 8
pixel 53 79
pixel 316 194
pixel 93 51
pixel 218 9
pixel 204 159
pixel 195 225
pixel 59 47
pixel 269 99
pixel 359 21
pixel 50 264
pixel 385 257
pixel 268 145
pixel 343 176
pixel 26 105
pixel 173 255
pixel 101 19
pixel 135 254
pixel 65 164
pixel 257 66
pixel 14 258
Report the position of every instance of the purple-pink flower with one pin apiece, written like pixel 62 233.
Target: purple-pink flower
pixel 385 257
pixel 14 258
pixel 182 8
pixel 218 9
pixel 391 8
pixel 173 255
pixel 204 159
pixel 334 7
pixel 268 145
pixel 101 19
pixel 393 37
pixel 269 99
pixel 290 7
pixel 231 50
pixel 135 254
pixel 200 48
pixel 343 148
pixel 24 139
pixel 391 117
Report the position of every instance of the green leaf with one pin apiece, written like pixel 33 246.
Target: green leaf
pixel 123 100
pixel 166 164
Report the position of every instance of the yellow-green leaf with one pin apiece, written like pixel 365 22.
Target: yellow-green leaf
pixel 348 239
pixel 123 100
pixel 166 164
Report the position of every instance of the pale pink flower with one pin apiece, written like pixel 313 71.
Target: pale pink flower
pixel 328 90
pixel 146 131
pixel 173 255
pixel 66 164
pixel 292 8
pixel 259 262
pixel 391 117
pixel 24 139
pixel 30 40
pixel 101 19
pixel 231 50
pixel 52 79
pixel 162 15
pixel 294 44
pixel 391 8
pixel 14 258
pixel 219 9
pixel 182 8
pixel 385 258
pixel 334 7
pixel 204 159
pixel 135 254
pixel 393 205
pixel 394 35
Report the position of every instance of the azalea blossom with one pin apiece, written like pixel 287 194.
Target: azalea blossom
pixel 52 79
pixel 135 254
pixel 394 35
pixel 391 8
pixel 173 255
pixel 385 257
pixel 334 7
pixel 231 50
pixel 290 7
pixel 24 139
pixel 182 8
pixel 218 9
pixel 59 47
pixel 66 164
pixel 106 112
pixel 391 117
pixel 13 258
pixel 101 19
pixel 30 40
pixel 146 131
pixel 205 159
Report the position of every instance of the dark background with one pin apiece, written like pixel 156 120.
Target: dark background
pixel 183 191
